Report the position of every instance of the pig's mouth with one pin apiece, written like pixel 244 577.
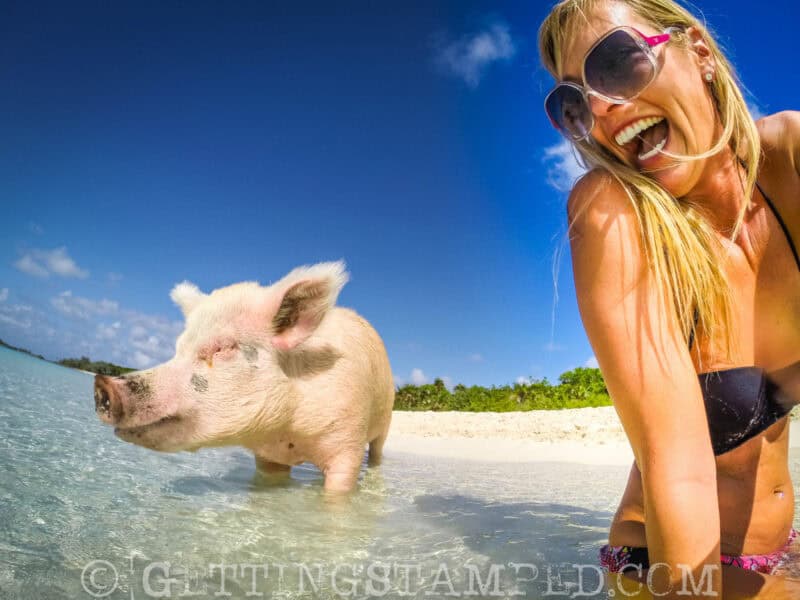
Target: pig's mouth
pixel 139 429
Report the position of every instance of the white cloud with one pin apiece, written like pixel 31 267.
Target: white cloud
pixel 523 380
pixel 43 263
pixel 18 315
pixel 476 358
pixel 151 343
pixel 755 111
pixel 114 278
pixel 150 336
pixel 591 363
pixel 135 339
pixel 21 323
pixel 108 332
pixel 16 308
pixel 470 56
pixel 553 347
pixel 563 168
pixel 28 265
pixel 143 326
pixel 82 308
pixel 418 377
pixel 35 228
pixel 140 360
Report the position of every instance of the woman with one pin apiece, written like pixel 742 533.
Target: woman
pixel 684 260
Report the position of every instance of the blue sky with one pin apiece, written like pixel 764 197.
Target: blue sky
pixel 145 143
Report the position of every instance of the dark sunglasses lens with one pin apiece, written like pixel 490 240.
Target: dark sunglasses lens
pixel 567 108
pixel 618 67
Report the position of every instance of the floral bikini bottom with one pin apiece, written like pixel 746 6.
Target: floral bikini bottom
pixel 617 558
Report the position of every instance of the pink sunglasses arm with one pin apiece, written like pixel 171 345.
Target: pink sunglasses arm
pixel 657 39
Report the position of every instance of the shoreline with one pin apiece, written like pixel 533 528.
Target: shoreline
pixel 579 435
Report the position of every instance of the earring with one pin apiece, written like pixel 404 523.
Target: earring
pixel 709 77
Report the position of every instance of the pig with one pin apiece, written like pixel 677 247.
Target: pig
pixel 279 370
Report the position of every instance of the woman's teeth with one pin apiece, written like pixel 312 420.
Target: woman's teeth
pixel 630 132
pixel 645 130
pixel 654 150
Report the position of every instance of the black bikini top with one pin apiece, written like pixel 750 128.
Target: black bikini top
pixel 742 402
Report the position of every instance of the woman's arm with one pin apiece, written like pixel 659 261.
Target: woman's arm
pixel 650 376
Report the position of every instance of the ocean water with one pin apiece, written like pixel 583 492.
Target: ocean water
pixel 85 515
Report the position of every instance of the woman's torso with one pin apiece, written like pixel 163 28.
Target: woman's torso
pixel 756 497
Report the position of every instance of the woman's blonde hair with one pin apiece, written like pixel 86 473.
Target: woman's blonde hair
pixel 682 249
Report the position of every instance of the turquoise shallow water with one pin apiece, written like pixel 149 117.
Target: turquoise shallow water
pixel 85 515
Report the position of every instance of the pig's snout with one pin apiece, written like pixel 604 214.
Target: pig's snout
pixel 107 402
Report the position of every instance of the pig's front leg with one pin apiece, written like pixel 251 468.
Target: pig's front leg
pixel 272 469
pixel 341 473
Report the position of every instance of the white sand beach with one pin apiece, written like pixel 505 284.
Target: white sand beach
pixel 581 435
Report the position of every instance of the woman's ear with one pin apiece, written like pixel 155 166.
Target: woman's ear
pixel 702 51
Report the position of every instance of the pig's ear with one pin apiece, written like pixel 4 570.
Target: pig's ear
pixel 309 293
pixel 187 296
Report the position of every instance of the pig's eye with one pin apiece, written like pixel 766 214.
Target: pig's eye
pixel 217 351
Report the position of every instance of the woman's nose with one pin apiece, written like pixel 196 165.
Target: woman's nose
pixel 600 106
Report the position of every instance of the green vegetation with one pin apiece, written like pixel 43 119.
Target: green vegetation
pixel 100 367
pixel 578 388
pixel 23 350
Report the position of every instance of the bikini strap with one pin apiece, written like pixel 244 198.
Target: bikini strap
pixel 783 226
pixel 785 230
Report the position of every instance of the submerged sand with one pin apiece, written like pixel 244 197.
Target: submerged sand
pixel 580 435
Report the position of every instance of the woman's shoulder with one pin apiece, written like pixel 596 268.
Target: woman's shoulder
pixel 780 139
pixel 604 226
pixel 776 126
pixel 598 199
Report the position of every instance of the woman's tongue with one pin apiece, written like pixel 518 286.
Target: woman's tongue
pixel 652 140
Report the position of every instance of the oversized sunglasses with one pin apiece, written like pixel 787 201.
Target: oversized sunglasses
pixel 617 68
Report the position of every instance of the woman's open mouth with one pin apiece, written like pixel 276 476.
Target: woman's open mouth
pixel 645 139
pixel 652 140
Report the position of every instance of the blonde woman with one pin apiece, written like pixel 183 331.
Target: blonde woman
pixel 687 272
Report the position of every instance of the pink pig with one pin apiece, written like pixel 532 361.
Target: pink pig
pixel 279 370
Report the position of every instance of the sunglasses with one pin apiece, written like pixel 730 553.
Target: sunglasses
pixel 617 68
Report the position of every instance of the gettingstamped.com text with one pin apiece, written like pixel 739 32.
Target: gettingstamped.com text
pixel 144 578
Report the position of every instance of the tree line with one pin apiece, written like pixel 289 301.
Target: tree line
pixel 100 367
pixel 578 388
pixel 23 350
